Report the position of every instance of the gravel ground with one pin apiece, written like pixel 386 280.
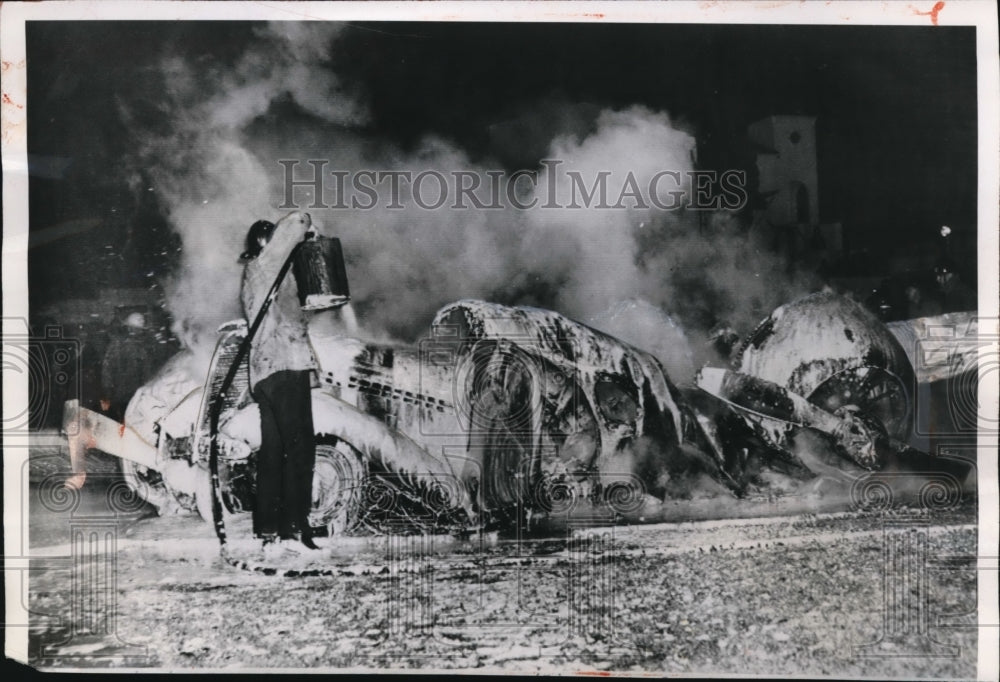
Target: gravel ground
pixel 786 595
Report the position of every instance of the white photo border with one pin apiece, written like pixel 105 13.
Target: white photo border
pixel 980 14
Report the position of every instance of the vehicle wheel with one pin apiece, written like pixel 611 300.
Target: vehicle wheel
pixel 338 480
pixel 150 486
pixel 837 354
pixel 500 385
pixel 874 392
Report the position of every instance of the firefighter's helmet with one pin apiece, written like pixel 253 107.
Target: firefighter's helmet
pixel 258 235
pixel 135 321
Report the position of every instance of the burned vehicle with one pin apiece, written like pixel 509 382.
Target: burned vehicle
pixel 496 414
pixel 504 417
pixel 825 362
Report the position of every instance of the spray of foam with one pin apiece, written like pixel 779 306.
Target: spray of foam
pixel 216 172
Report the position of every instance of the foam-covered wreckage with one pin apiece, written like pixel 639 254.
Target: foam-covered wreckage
pixel 826 362
pixel 502 414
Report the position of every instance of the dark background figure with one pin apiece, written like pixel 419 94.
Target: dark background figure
pixel 128 363
pixel 950 293
pixel 947 292
pixel 925 291
pixel 903 296
pixel 93 346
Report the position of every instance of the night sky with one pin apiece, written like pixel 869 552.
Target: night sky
pixel 896 110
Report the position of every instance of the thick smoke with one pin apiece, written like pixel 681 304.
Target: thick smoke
pixel 207 178
pixel 644 274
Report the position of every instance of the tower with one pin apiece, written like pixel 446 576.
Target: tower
pixel 786 166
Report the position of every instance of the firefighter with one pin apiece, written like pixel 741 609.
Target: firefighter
pixel 128 363
pixel 281 362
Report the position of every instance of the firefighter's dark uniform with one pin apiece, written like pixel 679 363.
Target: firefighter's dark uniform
pixel 281 360
pixel 127 365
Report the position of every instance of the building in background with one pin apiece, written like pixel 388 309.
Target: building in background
pixel 787 189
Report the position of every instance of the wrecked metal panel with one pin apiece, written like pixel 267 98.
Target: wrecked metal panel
pixel 803 343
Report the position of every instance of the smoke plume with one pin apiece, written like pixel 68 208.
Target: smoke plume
pixel 658 278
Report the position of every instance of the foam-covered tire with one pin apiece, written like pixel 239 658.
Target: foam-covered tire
pixel 339 477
